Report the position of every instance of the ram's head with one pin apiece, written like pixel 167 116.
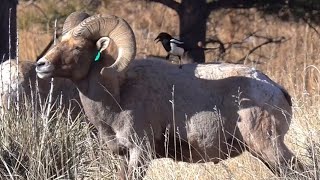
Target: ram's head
pixel 81 46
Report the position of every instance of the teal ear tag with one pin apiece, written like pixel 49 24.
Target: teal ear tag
pixel 97 58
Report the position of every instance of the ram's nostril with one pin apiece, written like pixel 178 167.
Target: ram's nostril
pixel 40 64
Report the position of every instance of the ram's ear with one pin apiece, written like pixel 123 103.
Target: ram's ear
pixel 112 76
pixel 108 73
pixel 103 43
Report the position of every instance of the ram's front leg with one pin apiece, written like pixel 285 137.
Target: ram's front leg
pixel 137 165
pixel 123 169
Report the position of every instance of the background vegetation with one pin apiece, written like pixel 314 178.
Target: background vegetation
pixel 35 148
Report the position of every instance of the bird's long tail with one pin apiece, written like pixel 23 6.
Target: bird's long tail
pixel 201 48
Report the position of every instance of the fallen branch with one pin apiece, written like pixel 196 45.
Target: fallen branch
pixel 268 41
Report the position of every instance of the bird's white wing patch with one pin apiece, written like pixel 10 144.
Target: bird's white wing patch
pixel 176 41
pixel 175 50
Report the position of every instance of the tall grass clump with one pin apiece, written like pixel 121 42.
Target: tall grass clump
pixel 34 147
pixel 304 133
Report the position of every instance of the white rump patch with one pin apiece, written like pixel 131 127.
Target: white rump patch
pixel 176 41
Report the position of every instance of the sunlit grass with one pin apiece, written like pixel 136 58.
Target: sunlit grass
pixel 33 148
pixel 60 148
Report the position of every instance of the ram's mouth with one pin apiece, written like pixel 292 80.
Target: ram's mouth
pixel 44 69
pixel 44 75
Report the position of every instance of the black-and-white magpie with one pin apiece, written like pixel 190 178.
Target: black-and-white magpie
pixel 171 45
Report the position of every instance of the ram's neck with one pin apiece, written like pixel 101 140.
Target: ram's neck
pixel 99 103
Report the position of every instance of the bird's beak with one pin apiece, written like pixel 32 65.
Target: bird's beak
pixel 157 39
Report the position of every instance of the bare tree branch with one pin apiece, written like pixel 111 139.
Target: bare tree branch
pixel 268 41
pixel 228 45
pixel 222 49
pixel 312 27
pixel 32 3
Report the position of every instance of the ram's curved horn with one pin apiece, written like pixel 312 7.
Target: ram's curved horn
pixel 115 28
pixel 73 20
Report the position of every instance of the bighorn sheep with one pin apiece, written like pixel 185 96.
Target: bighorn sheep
pixel 21 79
pixel 220 110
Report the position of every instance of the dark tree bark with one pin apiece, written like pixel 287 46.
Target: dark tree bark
pixel 193 15
pixel 5 7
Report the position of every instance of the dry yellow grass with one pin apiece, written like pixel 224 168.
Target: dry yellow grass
pixel 31 44
pixel 294 64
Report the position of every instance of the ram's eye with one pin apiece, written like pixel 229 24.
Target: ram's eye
pixel 77 48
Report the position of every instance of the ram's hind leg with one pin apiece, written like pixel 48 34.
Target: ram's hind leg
pixel 138 164
pixel 277 157
pixel 263 136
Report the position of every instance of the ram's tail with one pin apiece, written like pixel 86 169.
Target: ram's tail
pixel 283 90
pixel 286 95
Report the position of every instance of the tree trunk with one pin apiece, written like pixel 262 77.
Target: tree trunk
pixel 193 17
pixel 5 50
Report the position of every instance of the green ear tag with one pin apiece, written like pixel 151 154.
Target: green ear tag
pixel 97 58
